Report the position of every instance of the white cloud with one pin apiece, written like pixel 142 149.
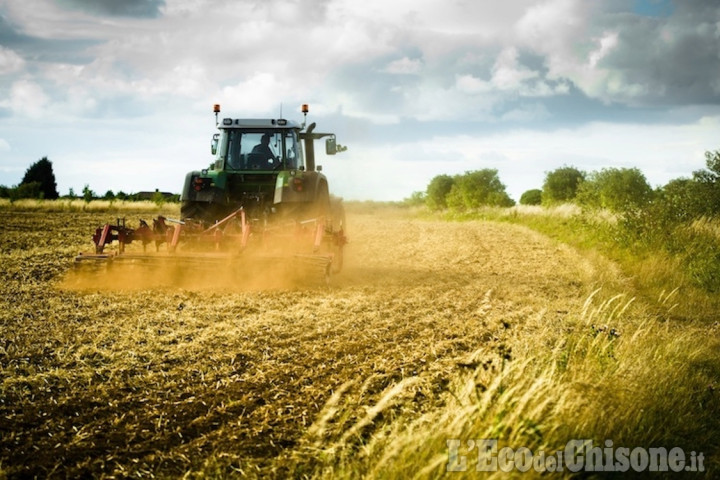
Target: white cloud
pixel 259 93
pixel 509 77
pixel 4 145
pixel 508 74
pixel 27 99
pixel 10 62
pixel 554 28
pixel 472 85
pixel 608 42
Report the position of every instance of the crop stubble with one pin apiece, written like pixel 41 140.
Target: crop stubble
pixel 168 380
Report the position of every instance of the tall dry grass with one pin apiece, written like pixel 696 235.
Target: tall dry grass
pixel 707 226
pixel 80 205
pixel 613 371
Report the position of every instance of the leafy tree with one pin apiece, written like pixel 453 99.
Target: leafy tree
pixel 109 195
pixel 679 200
pixel 617 189
pixel 4 191
pixel 531 197
pixel 158 198
pixel 42 173
pixel 71 193
pixel 437 192
pixel 120 195
pixel 561 185
pixel 478 188
pixel 87 194
pixel 708 185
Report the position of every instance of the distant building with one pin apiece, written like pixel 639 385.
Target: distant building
pixel 152 195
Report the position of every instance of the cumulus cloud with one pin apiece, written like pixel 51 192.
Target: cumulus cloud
pixel 10 61
pixel 508 74
pixel 194 47
pixel 619 56
pixel 27 99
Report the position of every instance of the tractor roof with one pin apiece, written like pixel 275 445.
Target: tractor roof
pixel 259 123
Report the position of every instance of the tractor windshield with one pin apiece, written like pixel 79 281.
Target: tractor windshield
pixel 262 150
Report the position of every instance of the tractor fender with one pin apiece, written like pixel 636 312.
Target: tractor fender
pixel 200 188
pixel 311 184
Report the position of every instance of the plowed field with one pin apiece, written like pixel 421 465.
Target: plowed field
pixel 164 381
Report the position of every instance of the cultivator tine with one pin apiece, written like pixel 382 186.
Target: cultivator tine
pixel 175 238
pixel 245 229
pixel 319 234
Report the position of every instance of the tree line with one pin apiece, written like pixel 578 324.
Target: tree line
pixel 39 183
pixel 615 189
pixel 680 217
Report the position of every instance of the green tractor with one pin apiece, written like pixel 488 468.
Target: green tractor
pixel 267 168
pixel 263 196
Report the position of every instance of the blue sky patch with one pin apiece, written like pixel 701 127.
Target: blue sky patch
pixel 654 8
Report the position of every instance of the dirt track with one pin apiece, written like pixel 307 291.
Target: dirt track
pixel 159 381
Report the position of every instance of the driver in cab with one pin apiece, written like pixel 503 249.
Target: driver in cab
pixel 263 154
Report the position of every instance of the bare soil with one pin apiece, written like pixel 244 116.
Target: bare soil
pixel 165 380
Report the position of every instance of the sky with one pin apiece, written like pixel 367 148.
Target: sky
pixel 118 94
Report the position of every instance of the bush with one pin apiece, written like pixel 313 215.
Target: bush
pixel 87 194
pixel 561 185
pixel 617 189
pixel 478 188
pixel 531 197
pixel 701 257
pixel 437 192
pixel 158 198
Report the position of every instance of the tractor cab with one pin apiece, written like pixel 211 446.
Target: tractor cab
pixel 264 166
pixel 257 146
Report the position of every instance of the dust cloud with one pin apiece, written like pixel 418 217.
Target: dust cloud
pixel 201 272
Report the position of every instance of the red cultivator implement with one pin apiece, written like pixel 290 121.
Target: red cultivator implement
pixel 306 249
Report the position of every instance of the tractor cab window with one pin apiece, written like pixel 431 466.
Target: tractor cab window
pixel 293 154
pixel 262 150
